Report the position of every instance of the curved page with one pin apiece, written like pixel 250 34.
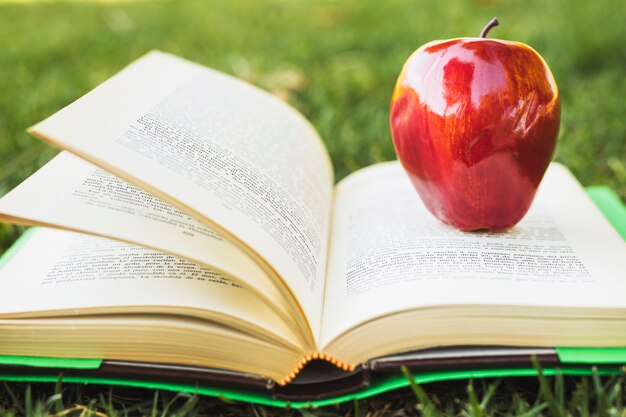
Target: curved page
pixel 59 273
pixel 219 149
pixel 390 255
pixel 71 193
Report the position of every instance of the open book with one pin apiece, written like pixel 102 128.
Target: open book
pixel 213 235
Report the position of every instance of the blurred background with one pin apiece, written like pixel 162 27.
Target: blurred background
pixel 335 61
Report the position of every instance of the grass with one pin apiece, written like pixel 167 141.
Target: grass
pixel 336 62
pixel 556 396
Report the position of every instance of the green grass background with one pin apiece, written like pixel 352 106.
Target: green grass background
pixel 335 61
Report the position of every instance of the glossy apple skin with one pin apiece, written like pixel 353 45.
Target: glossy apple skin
pixel 474 123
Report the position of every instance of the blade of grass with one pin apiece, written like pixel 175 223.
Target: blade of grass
pixel 28 401
pixel 534 411
pixel 473 400
pixel 544 388
pixel 619 390
pixel 58 403
pixel 580 399
pixel 602 404
pixel 16 403
pixel 428 407
pixel 168 404
pixel 155 404
pixel 107 404
pixel 559 389
pixel 189 407
pixel 489 394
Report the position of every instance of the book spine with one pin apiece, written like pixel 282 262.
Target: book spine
pixel 313 356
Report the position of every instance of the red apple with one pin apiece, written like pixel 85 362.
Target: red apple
pixel 474 122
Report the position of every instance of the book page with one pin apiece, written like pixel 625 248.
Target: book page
pixel 60 273
pixel 219 149
pixel 71 193
pixel 390 255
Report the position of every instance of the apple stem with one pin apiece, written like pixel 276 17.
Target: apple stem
pixel 492 24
